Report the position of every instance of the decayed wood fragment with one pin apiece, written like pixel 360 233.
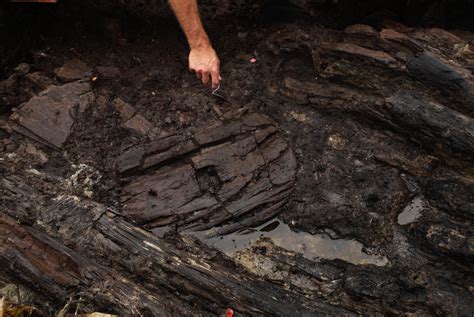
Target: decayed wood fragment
pixel 72 70
pixel 223 177
pixel 433 123
pixel 431 104
pixel 36 259
pixel 48 118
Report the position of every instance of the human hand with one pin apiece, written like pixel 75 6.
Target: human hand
pixel 206 64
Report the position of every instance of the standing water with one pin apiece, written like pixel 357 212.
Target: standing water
pixel 309 245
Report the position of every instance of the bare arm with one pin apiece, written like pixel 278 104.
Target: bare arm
pixel 202 58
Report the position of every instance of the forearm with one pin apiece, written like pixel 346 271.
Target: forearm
pixel 202 58
pixel 187 13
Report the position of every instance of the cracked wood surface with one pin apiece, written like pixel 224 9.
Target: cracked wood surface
pixel 49 117
pixel 125 250
pixel 216 177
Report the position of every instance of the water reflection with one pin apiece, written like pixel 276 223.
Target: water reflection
pixel 310 246
pixel 412 212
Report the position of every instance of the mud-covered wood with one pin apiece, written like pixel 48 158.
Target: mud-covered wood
pixel 49 117
pixel 53 269
pixel 431 123
pixel 349 84
pixel 216 177
pixel 126 256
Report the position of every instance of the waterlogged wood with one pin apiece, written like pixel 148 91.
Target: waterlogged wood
pixel 430 123
pixel 396 81
pixel 210 178
pixel 433 123
pixel 157 271
pixel 48 118
pixel 33 258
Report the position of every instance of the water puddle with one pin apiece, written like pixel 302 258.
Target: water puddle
pixel 412 212
pixel 310 246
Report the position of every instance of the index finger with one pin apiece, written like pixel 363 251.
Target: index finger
pixel 215 77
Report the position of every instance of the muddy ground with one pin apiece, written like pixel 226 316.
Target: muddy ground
pixel 363 203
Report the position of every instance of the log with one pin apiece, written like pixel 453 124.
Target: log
pixel 350 84
pixel 128 255
pixel 355 283
pixel 33 258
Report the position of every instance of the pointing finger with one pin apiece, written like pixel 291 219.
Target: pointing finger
pixel 215 77
pixel 205 78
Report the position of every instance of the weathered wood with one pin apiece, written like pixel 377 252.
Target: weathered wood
pixel 210 178
pixel 73 70
pixel 124 250
pixel 29 256
pixel 436 72
pixel 49 117
pixel 433 123
pixel 455 196
pixel 326 277
pixel 429 123
pixel 350 83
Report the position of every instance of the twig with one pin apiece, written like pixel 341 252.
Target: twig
pixel 18 295
pixel 64 310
